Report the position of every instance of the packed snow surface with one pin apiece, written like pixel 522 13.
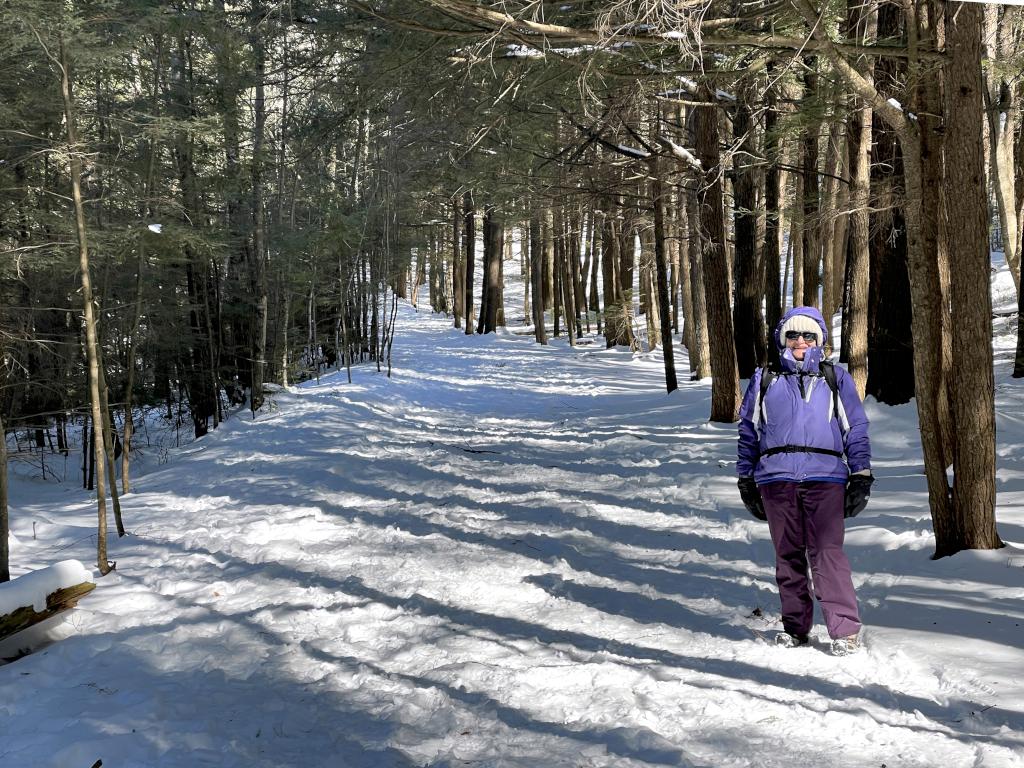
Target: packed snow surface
pixel 506 555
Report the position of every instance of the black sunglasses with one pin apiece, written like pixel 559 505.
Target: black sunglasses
pixel 805 335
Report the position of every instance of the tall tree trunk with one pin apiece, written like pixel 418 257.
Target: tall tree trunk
pixel 284 325
pixel 796 233
pixel 259 271
pixel 595 268
pixel 972 523
pixel 91 340
pixel 458 265
pixel 659 192
pixel 420 277
pixel 197 376
pixel 682 238
pixel 227 41
pixel 1002 33
pixel 140 263
pixel 725 394
pixel 1018 358
pixel 505 241
pixel 747 317
pixel 891 338
pixel 855 338
pixel 553 269
pixel 108 445
pixel 891 374
pixel 469 263
pixel 548 266
pixel 772 251
pixel 841 235
pixel 537 277
pixel 700 353
pixel 648 288
pixel 616 318
pixel 929 314
pixel 576 234
pixel 674 247
pixel 574 244
pixel 488 258
pixel 566 262
pixel 494 237
pixel 927 103
pixel 862 21
pixel 5 523
pixel 829 227
pixel 626 270
pixel 811 202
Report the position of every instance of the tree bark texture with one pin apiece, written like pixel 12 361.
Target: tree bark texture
pixel 700 353
pixel 926 100
pixel 748 319
pixel 890 338
pixel 566 260
pixel 772 249
pixel 661 267
pixel 862 23
pixel 925 288
pixel 537 278
pixel 494 241
pixel 796 233
pixel 858 268
pixel 458 268
pixel 5 524
pixel 616 317
pixel 259 247
pixel 971 524
pixel 811 201
pixel 1003 29
pixel 725 394
pixel 469 243
pixel 91 339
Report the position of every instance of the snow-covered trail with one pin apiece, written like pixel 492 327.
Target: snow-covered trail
pixel 505 555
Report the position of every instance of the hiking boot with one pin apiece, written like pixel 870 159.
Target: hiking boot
pixel 845 646
pixel 789 640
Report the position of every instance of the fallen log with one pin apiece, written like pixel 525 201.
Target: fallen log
pixel 41 595
pixel 56 602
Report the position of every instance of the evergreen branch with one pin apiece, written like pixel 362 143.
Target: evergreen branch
pixel 504 23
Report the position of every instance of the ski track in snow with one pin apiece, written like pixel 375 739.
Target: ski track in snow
pixel 506 555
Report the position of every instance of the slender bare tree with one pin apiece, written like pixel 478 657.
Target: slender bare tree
pixel 91 340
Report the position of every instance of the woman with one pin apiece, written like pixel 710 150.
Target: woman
pixel 797 423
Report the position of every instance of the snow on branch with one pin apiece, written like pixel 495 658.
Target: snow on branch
pixel 680 153
pixel 632 152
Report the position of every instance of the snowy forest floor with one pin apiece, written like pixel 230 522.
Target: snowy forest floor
pixel 506 555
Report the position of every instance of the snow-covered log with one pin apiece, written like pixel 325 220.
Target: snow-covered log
pixel 42 594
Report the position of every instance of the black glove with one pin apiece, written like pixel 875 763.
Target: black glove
pixel 858 489
pixel 751 497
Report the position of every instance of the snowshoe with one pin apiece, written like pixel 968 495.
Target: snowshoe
pixel 788 640
pixel 846 646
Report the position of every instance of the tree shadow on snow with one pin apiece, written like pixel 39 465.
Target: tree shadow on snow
pixel 764 681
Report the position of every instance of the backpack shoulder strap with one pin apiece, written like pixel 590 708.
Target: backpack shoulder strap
pixel 828 370
pixel 767 374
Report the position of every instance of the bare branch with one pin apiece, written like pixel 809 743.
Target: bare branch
pixel 888 111
pixel 507 24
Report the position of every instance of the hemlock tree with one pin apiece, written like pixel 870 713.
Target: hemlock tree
pixel 296 165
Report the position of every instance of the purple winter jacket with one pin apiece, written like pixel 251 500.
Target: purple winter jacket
pixel 798 410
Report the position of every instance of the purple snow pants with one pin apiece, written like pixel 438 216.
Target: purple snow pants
pixel 807 527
